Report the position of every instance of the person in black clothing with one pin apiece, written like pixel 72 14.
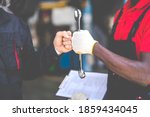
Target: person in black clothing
pixel 18 59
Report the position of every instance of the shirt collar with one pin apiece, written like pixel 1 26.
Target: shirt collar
pixel 139 5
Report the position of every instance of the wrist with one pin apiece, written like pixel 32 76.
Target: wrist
pixel 92 47
pixel 95 48
pixel 58 52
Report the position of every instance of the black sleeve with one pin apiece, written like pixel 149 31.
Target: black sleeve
pixel 36 63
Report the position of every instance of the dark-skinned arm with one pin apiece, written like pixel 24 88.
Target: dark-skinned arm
pixel 136 71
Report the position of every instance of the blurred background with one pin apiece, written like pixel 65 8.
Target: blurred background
pixel 45 18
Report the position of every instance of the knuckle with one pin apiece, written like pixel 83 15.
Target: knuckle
pixel 58 33
pixel 64 32
pixel 69 32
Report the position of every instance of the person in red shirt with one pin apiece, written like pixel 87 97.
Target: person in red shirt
pixel 128 58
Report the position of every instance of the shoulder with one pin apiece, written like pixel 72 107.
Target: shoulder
pixel 13 23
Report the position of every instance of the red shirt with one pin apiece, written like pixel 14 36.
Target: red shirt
pixel 129 16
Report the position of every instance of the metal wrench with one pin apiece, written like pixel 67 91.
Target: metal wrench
pixel 77 15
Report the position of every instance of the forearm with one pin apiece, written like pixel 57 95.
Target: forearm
pixel 132 70
pixel 48 57
pixel 37 63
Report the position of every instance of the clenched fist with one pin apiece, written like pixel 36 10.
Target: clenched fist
pixel 62 42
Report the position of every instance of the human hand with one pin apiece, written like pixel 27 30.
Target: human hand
pixel 83 42
pixel 62 42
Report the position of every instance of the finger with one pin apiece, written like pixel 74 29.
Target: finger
pixel 67 43
pixel 69 33
pixel 68 47
pixel 62 34
pixel 65 34
pixel 67 39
